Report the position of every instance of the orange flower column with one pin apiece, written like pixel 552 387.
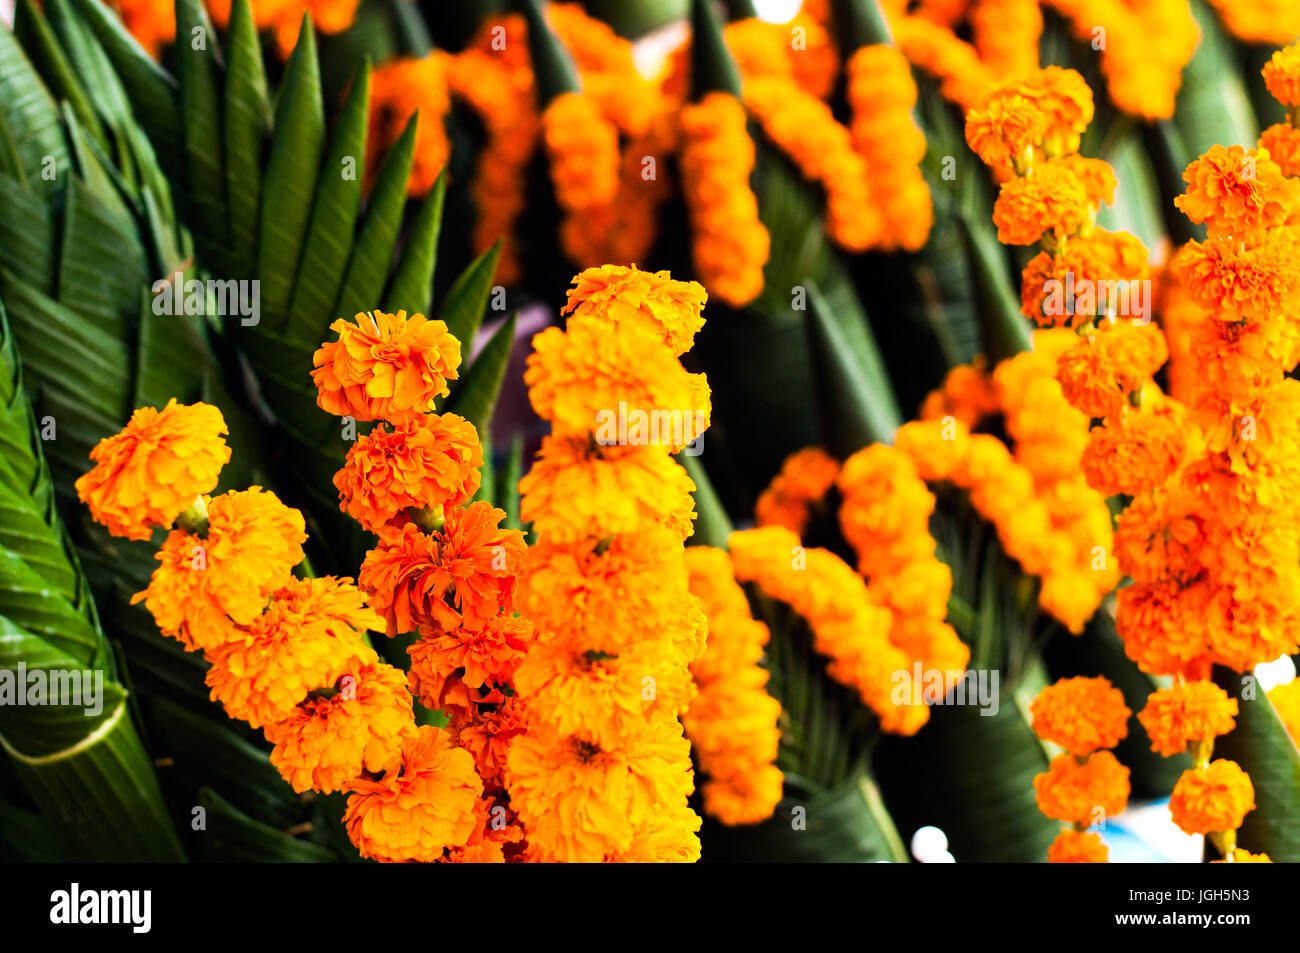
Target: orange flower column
pixel 604 772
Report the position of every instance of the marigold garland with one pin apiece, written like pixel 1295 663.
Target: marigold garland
pixel 603 771
pixel 732 722
pixel 716 157
pixel 805 478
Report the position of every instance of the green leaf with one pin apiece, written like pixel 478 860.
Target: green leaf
pixel 200 104
pixel 232 836
pixel 32 30
pixel 712 525
pixel 333 219
pixel 247 122
pixel 411 289
pixel 1005 329
pixel 29 120
pixel 712 67
pixel 477 393
pixel 372 253
pixel 290 181
pixel 553 67
pixel 1261 745
pixel 1212 106
pixel 972 776
pixel 853 385
pixel 151 90
pixel 124 818
pixel 466 302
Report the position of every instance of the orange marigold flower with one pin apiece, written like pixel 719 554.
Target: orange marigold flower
pixel 1235 282
pixel 627 296
pixel 1082 792
pixel 624 387
pixel 206 585
pixel 1096 176
pixel 1099 372
pixel 1136 453
pixel 729 243
pixel 1282 141
pixel 1050 198
pixel 1064 98
pixel 1214 798
pixel 158 464
pixel 1187 713
pixel 1282 75
pixel 488 733
pixel 1005 130
pixel 575 489
pixel 1077 847
pixel 882 95
pixel 419 809
pixel 462 575
pixel 633 583
pixel 306 640
pixel 1160 536
pixel 330 739
pixel 1165 625
pixel 385 366
pixel 1081 714
pixel 426 462
pixel 581 802
pixel 579 686
pixel 482 656
pixel 1238 193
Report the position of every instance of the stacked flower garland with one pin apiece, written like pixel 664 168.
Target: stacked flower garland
pixel 1214 568
pixel 1086 784
pixel 604 770
pixel 443 568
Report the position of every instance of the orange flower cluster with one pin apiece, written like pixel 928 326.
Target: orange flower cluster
pixel 1086 784
pixel 494 77
pixel 716 157
pixel 849 624
pixel 1144 45
pixel 885 516
pixel 806 130
pixel 399 89
pixel 153 22
pixel 1006 33
pixel 582 146
pixel 502 98
pixel 805 478
pixel 1211 543
pixel 603 770
pixel 964 78
pixel 1060 550
pixel 444 568
pixel 290 655
pixel 882 95
pixel 156 467
pixel 732 723
pixel 1260 21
